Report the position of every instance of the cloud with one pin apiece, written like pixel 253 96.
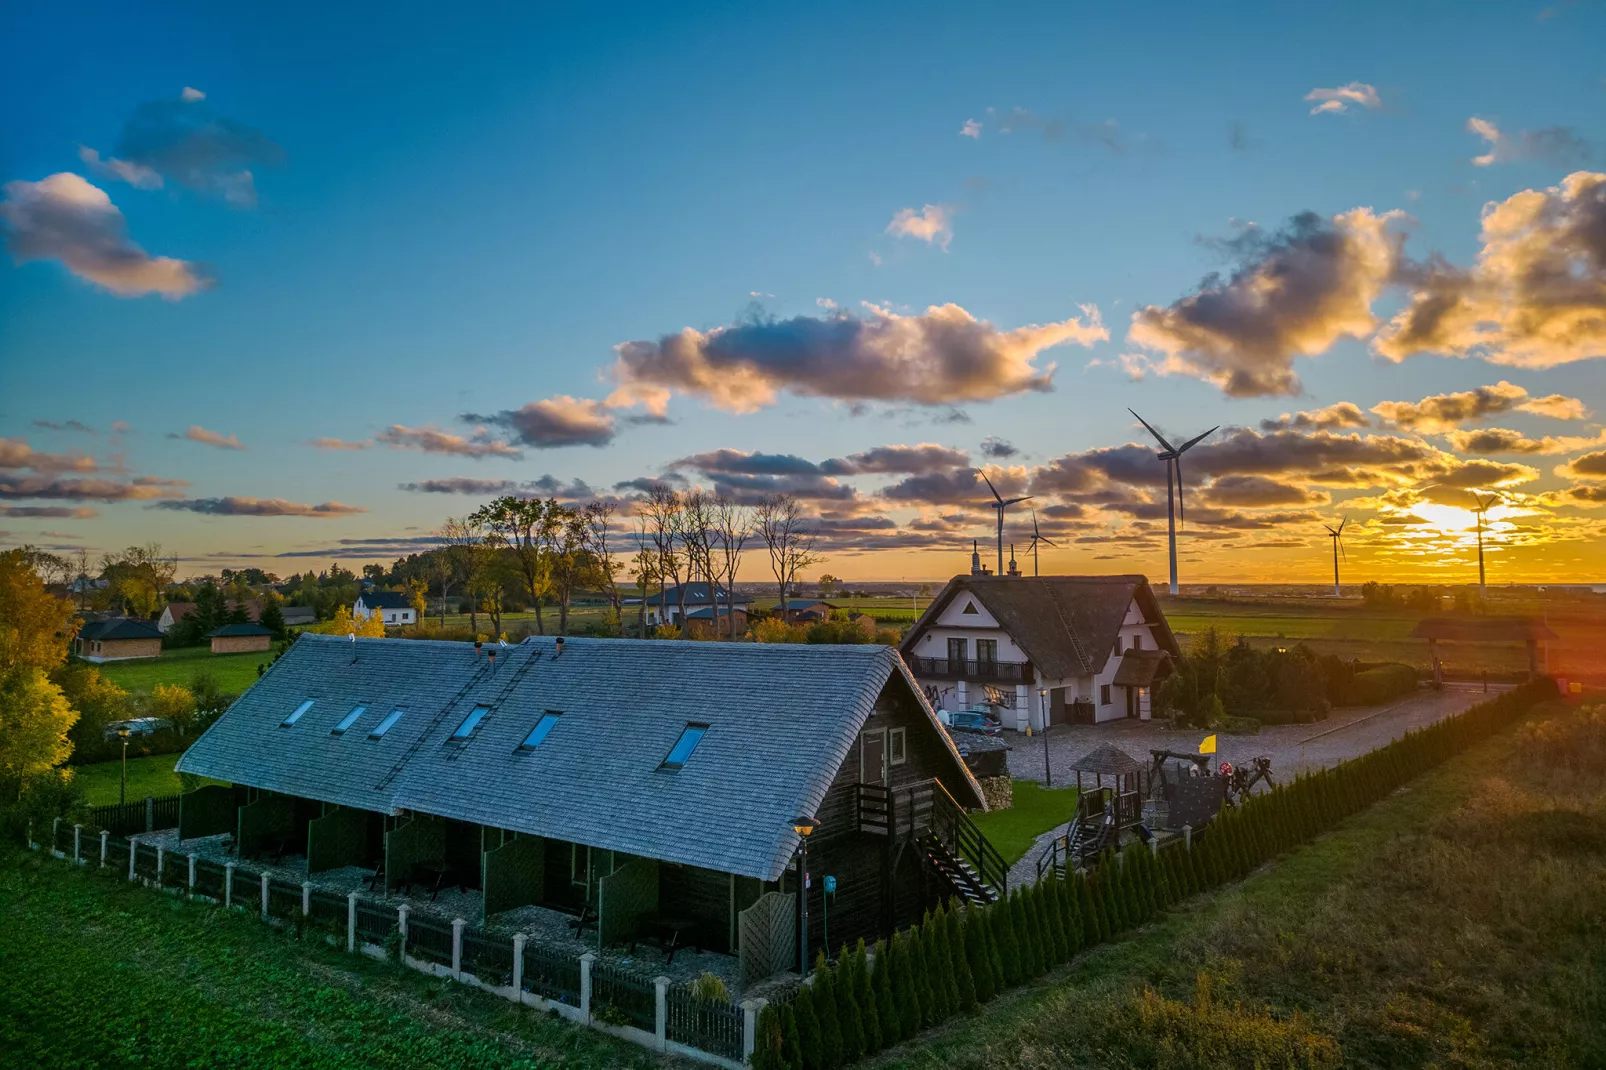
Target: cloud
pixel 197 433
pixel 556 421
pixel 1294 293
pixel 338 444
pixel 87 490
pixel 190 95
pixel 50 512
pixel 1555 145
pixel 1444 412
pixel 939 357
pixel 1536 296
pixel 136 175
pixel 1340 98
pixel 1255 492
pixel 433 440
pixel 69 425
pixel 997 449
pixel 933 224
pixel 890 460
pixel 259 507
pixel 971 129
pixel 16 453
pixel 185 141
pixel 461 485
pixel 1341 415
pixel 1589 466
pixel 1477 474
pixel 63 217
pixel 1498 440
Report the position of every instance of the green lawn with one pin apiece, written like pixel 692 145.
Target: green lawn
pixel 234 672
pixel 1460 922
pixel 95 972
pixel 146 776
pixel 1036 810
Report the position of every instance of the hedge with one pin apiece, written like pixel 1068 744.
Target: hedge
pixel 958 956
pixel 1373 687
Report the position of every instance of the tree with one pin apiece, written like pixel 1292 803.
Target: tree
pixel 826 1012
pixel 661 519
pixel 828 584
pixel 791 1043
pixel 767 1051
pixel 34 624
pixel 342 623
pixel 137 576
pixel 521 525
pixel 696 537
pixel 605 566
pixel 171 702
pixel 34 721
pixel 808 1030
pixel 97 700
pixel 272 617
pixel 731 526
pixel 903 985
pixel 976 953
pixel 863 994
pixel 787 539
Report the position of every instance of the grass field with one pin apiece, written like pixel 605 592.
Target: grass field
pixel 1035 810
pixel 234 672
pixel 95 972
pixel 1461 922
pixel 146 776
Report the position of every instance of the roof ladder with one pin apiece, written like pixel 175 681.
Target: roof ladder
pixel 418 742
pixel 513 679
pixel 1076 644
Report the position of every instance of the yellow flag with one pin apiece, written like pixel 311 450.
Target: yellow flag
pixel 1208 746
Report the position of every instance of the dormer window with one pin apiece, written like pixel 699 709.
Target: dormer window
pixel 681 752
pixel 295 714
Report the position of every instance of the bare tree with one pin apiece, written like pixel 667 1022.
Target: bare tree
pixel 788 539
pixel 731 527
pixel 697 537
pixel 646 568
pixel 563 537
pixel 662 511
pixel 604 562
pixel 463 550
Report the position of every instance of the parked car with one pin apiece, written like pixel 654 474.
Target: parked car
pixel 139 726
pixel 975 721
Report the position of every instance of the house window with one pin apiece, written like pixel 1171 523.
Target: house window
pixel 295 714
pixel 897 746
pixel 970 607
pixel 1137 641
pixel 542 729
pixel 471 722
pixel 681 751
pixel 348 720
pixel 987 651
pixel 1104 694
pixel 956 654
pixel 1117 646
pixel 384 726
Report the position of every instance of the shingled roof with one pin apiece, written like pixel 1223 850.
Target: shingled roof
pixel 119 628
pixel 781 719
pixel 1067 625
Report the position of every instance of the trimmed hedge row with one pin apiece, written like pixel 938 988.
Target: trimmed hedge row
pixel 1372 687
pixel 958 957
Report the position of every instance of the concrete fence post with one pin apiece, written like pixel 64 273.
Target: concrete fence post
pixel 750 1011
pixel 518 963
pixel 77 841
pixel 161 859
pixel 228 884
pixel 55 832
pixel 105 842
pixel 192 872
pixel 306 898
pixel 1154 846
pixel 1187 836
pixel 585 985
pixel 457 948
pixel 401 924
pixel 351 921
pixel 265 879
pixel 150 813
pixel 133 853
pixel 661 1020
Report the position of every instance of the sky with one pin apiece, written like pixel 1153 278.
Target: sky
pixel 286 285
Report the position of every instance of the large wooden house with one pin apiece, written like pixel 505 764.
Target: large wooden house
pixel 645 781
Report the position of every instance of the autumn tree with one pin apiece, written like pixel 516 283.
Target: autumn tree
pixel 35 716
pixel 521 525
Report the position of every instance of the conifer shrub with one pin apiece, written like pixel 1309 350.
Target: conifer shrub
pixel 791 1043
pixel 1073 916
pixel 1004 940
pixel 889 1023
pixel 767 1054
pixel 808 1030
pixel 903 987
pixel 1092 925
pixel 952 958
pixel 981 970
pixel 826 1011
pixel 852 993
pixel 964 981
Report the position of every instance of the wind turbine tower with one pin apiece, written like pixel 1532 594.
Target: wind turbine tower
pixel 998 505
pixel 1038 539
pixel 1337 535
pixel 1172 458
pixel 1483 507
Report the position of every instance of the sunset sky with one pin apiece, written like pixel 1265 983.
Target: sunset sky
pixel 289 286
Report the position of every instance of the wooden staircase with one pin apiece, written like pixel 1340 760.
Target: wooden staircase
pixel 967 883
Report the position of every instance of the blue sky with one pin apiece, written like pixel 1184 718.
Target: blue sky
pixel 466 211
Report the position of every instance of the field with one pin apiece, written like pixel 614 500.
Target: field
pixel 152 775
pixel 1457 923
pixel 234 672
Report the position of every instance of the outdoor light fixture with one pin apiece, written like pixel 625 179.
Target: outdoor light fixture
pixel 1042 706
pixel 122 790
pixel 803 826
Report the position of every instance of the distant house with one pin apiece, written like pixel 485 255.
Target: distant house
pixel 393 607
pixel 803 609
pixel 701 621
pixel 177 611
pixel 240 638
pixel 297 616
pixel 117 639
pixel 1097 645
pixel 664 607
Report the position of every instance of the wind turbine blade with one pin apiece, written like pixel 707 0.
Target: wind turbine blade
pixel 1047 542
pixel 1034 524
pixel 1343 552
pixel 1182 510
pixel 990 486
pixel 1330 531
pixel 1013 501
pixel 1159 437
pixel 1192 442
pixel 1341 524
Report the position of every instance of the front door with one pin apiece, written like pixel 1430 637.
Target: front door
pixel 1131 701
pixel 873 758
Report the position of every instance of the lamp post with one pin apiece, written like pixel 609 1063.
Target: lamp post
pixel 122 790
pixel 803 826
pixel 1042 709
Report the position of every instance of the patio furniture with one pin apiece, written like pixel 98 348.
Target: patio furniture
pixel 588 916
pixel 436 875
pixel 668 935
pixel 378 876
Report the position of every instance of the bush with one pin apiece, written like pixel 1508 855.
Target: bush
pixel 1378 685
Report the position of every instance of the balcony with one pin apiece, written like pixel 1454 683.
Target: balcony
pixel 1006 672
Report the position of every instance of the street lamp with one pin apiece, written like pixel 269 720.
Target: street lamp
pixel 122 791
pixel 803 826
pixel 1042 709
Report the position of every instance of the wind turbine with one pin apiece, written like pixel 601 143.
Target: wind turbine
pixel 1172 456
pixel 999 504
pixel 1338 545
pixel 1038 539
pixel 1483 507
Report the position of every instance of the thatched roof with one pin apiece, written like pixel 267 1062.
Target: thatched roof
pixel 1140 668
pixel 1483 629
pixel 1107 760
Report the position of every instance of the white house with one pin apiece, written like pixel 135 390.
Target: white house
pixel 393 607
pixel 1071 648
pixel 663 607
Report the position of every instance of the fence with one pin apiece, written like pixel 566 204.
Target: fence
pixel 633 997
pixel 209 879
pixel 488 959
pixel 551 976
pixel 247 889
pixel 709 1025
pixel 327 906
pixel 144 861
pixel 139 815
pixel 284 898
pixel 429 939
pixel 374 924
pixel 164 812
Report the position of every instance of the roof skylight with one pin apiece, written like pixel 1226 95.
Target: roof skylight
pixel 295 714
pixel 471 722
pixel 542 729
pixel 384 726
pixel 348 720
pixel 680 753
